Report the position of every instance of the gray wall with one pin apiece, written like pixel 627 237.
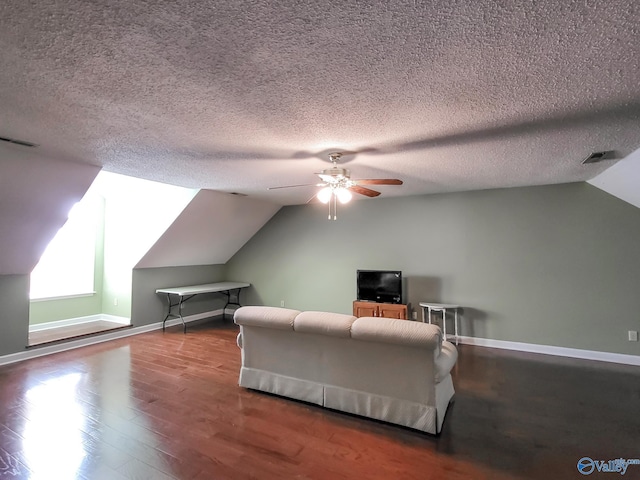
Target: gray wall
pixel 149 307
pixel 14 314
pixel 554 265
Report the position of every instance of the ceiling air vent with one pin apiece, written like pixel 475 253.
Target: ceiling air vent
pixel 18 142
pixel 596 157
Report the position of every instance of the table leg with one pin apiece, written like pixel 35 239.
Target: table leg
pixel 455 325
pixel 229 294
pixel 169 307
pixel 184 325
pixel 444 322
pixel 180 303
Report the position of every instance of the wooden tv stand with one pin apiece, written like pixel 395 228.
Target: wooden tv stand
pixel 373 309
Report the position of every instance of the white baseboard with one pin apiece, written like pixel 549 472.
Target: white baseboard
pixel 38 327
pixel 193 318
pixel 104 337
pixel 551 350
pixel 481 342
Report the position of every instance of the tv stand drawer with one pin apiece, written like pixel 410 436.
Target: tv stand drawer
pixel 386 310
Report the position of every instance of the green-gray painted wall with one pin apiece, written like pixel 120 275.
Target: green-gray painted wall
pixel 14 315
pixel 46 311
pixel 554 265
pixel 149 307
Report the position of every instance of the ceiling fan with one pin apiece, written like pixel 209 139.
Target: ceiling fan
pixel 338 186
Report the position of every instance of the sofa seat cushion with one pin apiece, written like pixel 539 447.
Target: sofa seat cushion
pixel 445 361
pixel 325 323
pixel 272 317
pixel 400 332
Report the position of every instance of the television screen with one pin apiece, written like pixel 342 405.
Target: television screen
pixel 383 286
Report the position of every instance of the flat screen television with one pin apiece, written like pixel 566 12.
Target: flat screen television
pixel 382 286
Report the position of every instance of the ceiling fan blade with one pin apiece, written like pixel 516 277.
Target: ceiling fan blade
pixel 301 185
pixel 313 199
pixel 367 192
pixel 379 181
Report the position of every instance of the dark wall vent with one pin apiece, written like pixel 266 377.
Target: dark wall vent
pixel 18 142
pixel 596 157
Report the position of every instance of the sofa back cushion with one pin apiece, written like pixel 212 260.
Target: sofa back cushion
pixel 325 323
pixel 399 332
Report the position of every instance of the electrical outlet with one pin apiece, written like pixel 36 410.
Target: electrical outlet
pixel 414 315
pixel 282 303
pixel 633 335
pixel 115 301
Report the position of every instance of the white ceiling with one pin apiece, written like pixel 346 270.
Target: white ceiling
pixel 242 95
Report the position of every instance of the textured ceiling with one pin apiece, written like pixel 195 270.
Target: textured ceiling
pixel 238 96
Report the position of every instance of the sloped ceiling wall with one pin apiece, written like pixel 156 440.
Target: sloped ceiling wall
pixel 622 180
pixel 210 230
pixel 36 194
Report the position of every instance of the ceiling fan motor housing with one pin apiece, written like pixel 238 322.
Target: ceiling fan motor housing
pixel 335 174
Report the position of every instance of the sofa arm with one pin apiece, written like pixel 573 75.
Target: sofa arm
pixel 445 361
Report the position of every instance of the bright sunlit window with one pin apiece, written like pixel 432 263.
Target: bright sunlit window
pixel 130 213
pixel 67 266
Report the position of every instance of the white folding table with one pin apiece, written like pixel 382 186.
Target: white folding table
pixel 178 296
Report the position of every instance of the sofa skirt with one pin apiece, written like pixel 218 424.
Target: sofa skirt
pixel 280 385
pixel 393 410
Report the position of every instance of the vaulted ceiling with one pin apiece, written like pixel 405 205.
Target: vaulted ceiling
pixel 239 96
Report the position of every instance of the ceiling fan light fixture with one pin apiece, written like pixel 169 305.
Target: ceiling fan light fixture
pixel 324 195
pixel 343 194
pixel 339 188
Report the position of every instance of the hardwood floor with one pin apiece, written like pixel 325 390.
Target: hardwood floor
pixel 167 405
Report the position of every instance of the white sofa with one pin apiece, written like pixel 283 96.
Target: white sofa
pixel 397 371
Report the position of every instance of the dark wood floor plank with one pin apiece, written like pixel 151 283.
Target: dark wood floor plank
pixel 168 406
pixel 11 466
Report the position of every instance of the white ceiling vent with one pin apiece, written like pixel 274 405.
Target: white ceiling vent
pixel 18 142
pixel 596 157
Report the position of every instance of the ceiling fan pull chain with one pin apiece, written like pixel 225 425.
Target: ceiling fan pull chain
pixel 335 206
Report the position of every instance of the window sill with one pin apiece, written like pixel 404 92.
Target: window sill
pixel 62 297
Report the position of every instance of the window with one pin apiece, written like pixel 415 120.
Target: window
pixel 67 266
